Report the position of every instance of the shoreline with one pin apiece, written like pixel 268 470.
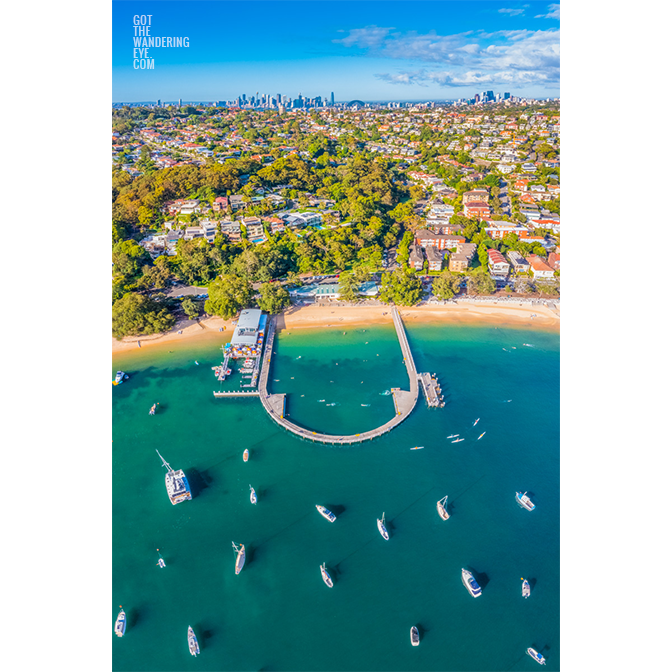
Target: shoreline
pixel 304 317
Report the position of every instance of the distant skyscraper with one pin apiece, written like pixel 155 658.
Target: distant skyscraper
pixel 489 95
pixel 180 103
pixel 507 95
pixel 332 97
pixel 158 103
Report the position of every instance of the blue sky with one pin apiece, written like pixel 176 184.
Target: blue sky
pixel 381 50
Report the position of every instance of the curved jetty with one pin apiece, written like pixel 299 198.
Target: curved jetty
pixel 404 400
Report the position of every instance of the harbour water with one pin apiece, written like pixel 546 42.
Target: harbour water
pixel 278 614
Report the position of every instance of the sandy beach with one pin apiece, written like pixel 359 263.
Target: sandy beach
pixel 335 315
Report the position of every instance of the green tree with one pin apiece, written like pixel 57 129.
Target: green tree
pixel 446 285
pixel 480 282
pixel 135 314
pixel 227 295
pixel 190 308
pixel 347 287
pixel 402 287
pixel 273 297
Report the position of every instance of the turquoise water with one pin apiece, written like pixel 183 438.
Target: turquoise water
pixel 278 614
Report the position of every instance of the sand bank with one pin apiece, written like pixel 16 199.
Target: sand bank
pixel 337 314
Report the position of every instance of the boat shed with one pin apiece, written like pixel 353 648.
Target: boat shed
pixel 247 327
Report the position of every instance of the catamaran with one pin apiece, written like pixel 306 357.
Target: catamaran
pixel 524 501
pixel 253 495
pixel 415 636
pixel 537 656
pixel 325 575
pixel 381 527
pixel 193 642
pixel 246 455
pixel 470 583
pixel 120 378
pixel 161 562
pixel 480 437
pixel 240 556
pixel 326 513
pixel 441 508
pixel 526 588
pixel 457 440
pixel 176 484
pixel 120 623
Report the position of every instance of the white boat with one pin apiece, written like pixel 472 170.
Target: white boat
pixel 176 483
pixel 246 455
pixel 524 501
pixel 526 588
pixel 441 508
pixel 452 436
pixel 480 437
pixel 161 562
pixel 325 575
pixel 381 527
pixel 417 448
pixel 253 495
pixel 193 642
pixel 457 440
pixel 326 513
pixel 120 378
pixel 120 623
pixel 537 656
pixel 415 636
pixel 470 583
pixel 475 422
pixel 152 410
pixel 240 557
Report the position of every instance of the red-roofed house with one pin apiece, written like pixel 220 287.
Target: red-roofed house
pixel 477 209
pixel 497 264
pixel 540 269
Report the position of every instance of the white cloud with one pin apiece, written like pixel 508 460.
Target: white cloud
pixel 511 12
pixel 553 13
pixel 506 56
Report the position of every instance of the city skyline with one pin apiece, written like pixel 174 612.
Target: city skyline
pixel 408 51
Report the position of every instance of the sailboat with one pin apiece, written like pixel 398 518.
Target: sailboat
pixel 381 527
pixel 120 623
pixel 441 508
pixel 161 562
pixel 193 642
pixel 176 483
pixel 415 636
pixel 526 588
pixel 325 575
pixel 253 495
pixel 240 557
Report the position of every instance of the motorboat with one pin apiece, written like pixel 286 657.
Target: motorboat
pixel 325 575
pixel 441 508
pixel 120 623
pixel 524 501
pixel 253 495
pixel 194 650
pixel 246 455
pixel 470 583
pixel 240 557
pixel 326 513
pixel 415 636
pixel 152 410
pixel 526 588
pixel 537 656
pixel 120 378
pixel 381 527
pixel 161 562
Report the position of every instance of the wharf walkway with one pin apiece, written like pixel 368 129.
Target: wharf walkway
pixel 404 400
pixel 431 389
pixel 238 393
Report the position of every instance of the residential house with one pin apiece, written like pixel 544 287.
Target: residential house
pixel 540 269
pixel 477 209
pixel 416 259
pixel 426 238
pixel 554 260
pixel 475 196
pixel 220 204
pixel 236 202
pixel 275 224
pixel 518 262
pixel 497 264
pixel 499 229
pixel 232 231
pixel 434 257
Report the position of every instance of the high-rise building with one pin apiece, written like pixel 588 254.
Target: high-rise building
pixel 158 103
pixel 489 95
pixel 332 97
pixel 507 95
pixel 180 103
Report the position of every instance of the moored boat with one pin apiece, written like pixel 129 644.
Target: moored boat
pixel 325 575
pixel 441 508
pixel 470 583
pixel 253 495
pixel 194 650
pixel 417 448
pixel 120 623
pixel 456 440
pixel 326 513
pixel 526 588
pixel 246 455
pixel 120 378
pixel 152 410
pixel 176 483
pixel 240 557
pixel 415 636
pixel 381 527
pixel 161 562
pixel 537 656
pixel 524 501
pixel 452 436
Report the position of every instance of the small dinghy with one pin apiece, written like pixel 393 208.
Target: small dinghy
pixel 246 455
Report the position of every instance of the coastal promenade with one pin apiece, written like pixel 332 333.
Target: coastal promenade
pixel 404 400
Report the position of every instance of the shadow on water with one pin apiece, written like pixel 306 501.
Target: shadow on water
pixel 134 616
pixel 336 509
pixel 482 579
pixel 198 480
pixel 533 583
